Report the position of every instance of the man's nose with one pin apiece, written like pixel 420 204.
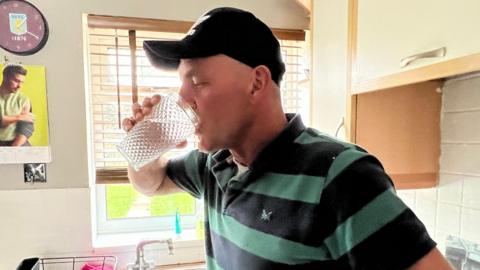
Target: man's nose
pixel 187 95
pixel 184 93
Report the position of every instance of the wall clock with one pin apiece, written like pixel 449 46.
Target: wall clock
pixel 23 28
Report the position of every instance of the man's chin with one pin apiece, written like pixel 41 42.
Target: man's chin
pixel 202 147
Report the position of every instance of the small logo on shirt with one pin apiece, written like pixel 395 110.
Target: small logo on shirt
pixel 266 215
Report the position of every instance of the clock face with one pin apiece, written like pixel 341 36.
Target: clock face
pixel 23 27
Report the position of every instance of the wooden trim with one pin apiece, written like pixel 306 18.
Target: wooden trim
pixel 449 68
pixel 112 176
pixel 183 266
pixel 172 26
pixel 351 114
pixel 289 34
pixel 351 119
pixel 142 24
pixel 415 180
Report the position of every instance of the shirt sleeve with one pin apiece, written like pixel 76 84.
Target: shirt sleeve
pixel 188 172
pixel 368 226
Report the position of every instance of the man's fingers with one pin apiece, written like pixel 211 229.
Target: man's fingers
pixel 146 110
pixel 147 102
pixel 138 116
pixel 155 100
pixel 127 124
pixel 140 111
pixel 136 107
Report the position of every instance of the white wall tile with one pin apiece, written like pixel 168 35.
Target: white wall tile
pixel 408 197
pixel 461 127
pixel 459 189
pixel 428 193
pixel 426 210
pixel 461 94
pixel 471 192
pixel 460 158
pixel 470 224
pixel 448 218
pixel 450 189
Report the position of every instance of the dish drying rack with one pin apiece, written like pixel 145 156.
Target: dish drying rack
pixel 70 263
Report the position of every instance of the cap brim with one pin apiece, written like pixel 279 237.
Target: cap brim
pixel 166 54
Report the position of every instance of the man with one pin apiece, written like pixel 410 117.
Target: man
pixel 16 121
pixel 277 195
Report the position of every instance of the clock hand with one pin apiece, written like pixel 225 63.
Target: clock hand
pixel 33 35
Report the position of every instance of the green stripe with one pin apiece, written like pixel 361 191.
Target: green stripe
pixel 342 161
pixel 302 188
pixel 371 218
pixel 307 137
pixel 264 245
pixel 212 264
pixel 192 170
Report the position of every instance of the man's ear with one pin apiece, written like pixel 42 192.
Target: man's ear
pixel 261 78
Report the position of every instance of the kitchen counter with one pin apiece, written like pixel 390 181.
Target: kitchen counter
pixel 186 266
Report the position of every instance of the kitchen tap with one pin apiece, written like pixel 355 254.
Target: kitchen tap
pixel 140 263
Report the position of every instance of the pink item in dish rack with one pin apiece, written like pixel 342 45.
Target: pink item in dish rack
pixel 96 266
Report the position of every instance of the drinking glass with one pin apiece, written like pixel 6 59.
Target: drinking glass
pixel 171 121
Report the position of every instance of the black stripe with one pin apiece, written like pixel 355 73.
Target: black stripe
pixel 230 257
pixel 398 245
pixel 292 220
pixel 208 239
pixel 316 158
pixel 351 190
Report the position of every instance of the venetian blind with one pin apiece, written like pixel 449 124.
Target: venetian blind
pixel 120 74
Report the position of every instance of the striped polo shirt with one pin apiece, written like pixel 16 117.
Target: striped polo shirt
pixel 308 201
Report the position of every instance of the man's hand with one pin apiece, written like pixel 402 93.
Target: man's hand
pixel 139 112
pixel 152 178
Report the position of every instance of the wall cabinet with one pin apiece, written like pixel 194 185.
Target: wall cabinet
pixel 388 31
pixel 395 112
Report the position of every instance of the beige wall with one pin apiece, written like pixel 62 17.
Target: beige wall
pixel 54 218
pixel 329 64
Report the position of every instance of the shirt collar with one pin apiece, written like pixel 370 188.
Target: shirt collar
pixel 275 148
pixel 293 129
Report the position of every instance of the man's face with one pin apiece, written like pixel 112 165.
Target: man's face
pixel 219 88
pixel 14 83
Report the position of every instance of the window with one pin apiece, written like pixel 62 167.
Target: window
pixel 120 74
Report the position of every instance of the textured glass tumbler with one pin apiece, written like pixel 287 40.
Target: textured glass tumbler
pixel 170 122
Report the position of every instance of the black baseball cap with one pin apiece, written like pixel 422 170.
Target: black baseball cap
pixel 230 31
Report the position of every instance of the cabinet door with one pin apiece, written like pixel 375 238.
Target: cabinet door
pixel 388 31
